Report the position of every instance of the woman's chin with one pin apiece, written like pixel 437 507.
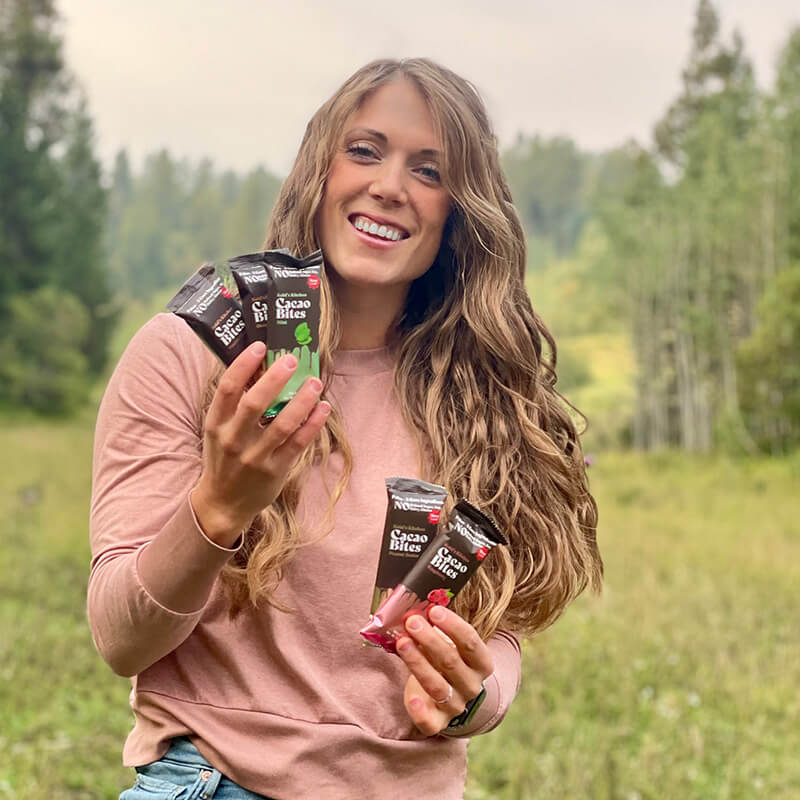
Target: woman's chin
pixel 367 276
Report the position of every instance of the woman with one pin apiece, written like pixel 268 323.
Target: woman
pixel 233 564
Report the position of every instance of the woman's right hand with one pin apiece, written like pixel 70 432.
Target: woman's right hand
pixel 245 465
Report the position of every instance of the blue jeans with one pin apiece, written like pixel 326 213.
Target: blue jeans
pixel 184 774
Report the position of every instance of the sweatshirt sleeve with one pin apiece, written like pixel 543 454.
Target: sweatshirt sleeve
pixel 502 686
pixel 147 458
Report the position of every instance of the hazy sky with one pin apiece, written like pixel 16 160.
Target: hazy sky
pixel 238 80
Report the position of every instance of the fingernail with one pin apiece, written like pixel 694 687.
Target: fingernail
pixel 324 408
pixel 437 614
pixel 404 646
pixel 258 349
pixel 415 703
pixel 316 385
pixel 414 623
pixel 290 362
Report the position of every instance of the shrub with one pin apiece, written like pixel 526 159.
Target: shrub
pixel 769 366
pixel 41 363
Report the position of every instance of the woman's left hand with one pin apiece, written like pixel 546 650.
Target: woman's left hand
pixel 441 670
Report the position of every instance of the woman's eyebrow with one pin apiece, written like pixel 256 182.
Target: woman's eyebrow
pixel 427 152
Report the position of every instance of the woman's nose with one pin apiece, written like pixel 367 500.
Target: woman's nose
pixel 389 184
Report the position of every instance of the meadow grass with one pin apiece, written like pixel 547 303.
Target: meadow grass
pixel 62 711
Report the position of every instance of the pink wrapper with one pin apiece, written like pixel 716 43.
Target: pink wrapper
pixel 387 623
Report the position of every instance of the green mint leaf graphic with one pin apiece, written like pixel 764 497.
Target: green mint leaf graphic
pixel 302 333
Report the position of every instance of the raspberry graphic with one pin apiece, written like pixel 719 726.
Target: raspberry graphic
pixel 439 597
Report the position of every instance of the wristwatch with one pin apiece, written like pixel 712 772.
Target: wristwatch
pixel 469 712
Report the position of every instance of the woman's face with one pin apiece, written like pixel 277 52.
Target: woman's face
pixel 384 209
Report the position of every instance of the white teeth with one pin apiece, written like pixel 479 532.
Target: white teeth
pixel 374 228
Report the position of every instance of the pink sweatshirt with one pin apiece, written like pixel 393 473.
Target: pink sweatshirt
pixel 286 705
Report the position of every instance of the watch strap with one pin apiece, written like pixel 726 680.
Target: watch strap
pixel 469 712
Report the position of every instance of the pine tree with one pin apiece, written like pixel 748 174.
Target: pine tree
pixel 82 265
pixel 787 130
pixel 155 214
pixel 547 178
pixel 120 196
pixel 245 223
pixel 32 115
pixel 52 204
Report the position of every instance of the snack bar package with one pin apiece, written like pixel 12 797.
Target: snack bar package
pixel 438 576
pixel 250 274
pixel 212 312
pixel 412 515
pixel 281 304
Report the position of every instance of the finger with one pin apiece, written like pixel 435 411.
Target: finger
pixel 444 657
pixel 261 395
pixel 233 382
pixel 286 454
pixel 429 678
pixel 426 718
pixel 290 419
pixel 472 648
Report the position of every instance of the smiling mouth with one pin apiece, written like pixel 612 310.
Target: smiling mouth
pixel 377 230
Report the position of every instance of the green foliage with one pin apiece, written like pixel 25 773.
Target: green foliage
pixel 42 361
pixel 582 293
pixel 82 266
pixel 718 81
pixel 692 229
pixel 769 366
pixel 547 178
pixel 606 399
pixel 172 216
pixel 786 116
pixel 244 223
pixel 52 204
pixel 572 371
pixel 32 114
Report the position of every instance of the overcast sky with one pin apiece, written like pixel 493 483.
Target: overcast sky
pixel 237 80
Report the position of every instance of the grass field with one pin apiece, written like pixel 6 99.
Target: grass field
pixel 680 682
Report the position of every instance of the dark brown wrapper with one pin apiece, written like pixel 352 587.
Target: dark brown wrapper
pixel 441 572
pixel 412 517
pixel 212 312
pixel 252 281
pixel 281 302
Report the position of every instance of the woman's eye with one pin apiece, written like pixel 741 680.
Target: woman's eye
pixel 431 173
pixel 361 151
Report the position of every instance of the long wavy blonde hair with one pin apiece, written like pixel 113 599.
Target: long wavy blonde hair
pixel 475 383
